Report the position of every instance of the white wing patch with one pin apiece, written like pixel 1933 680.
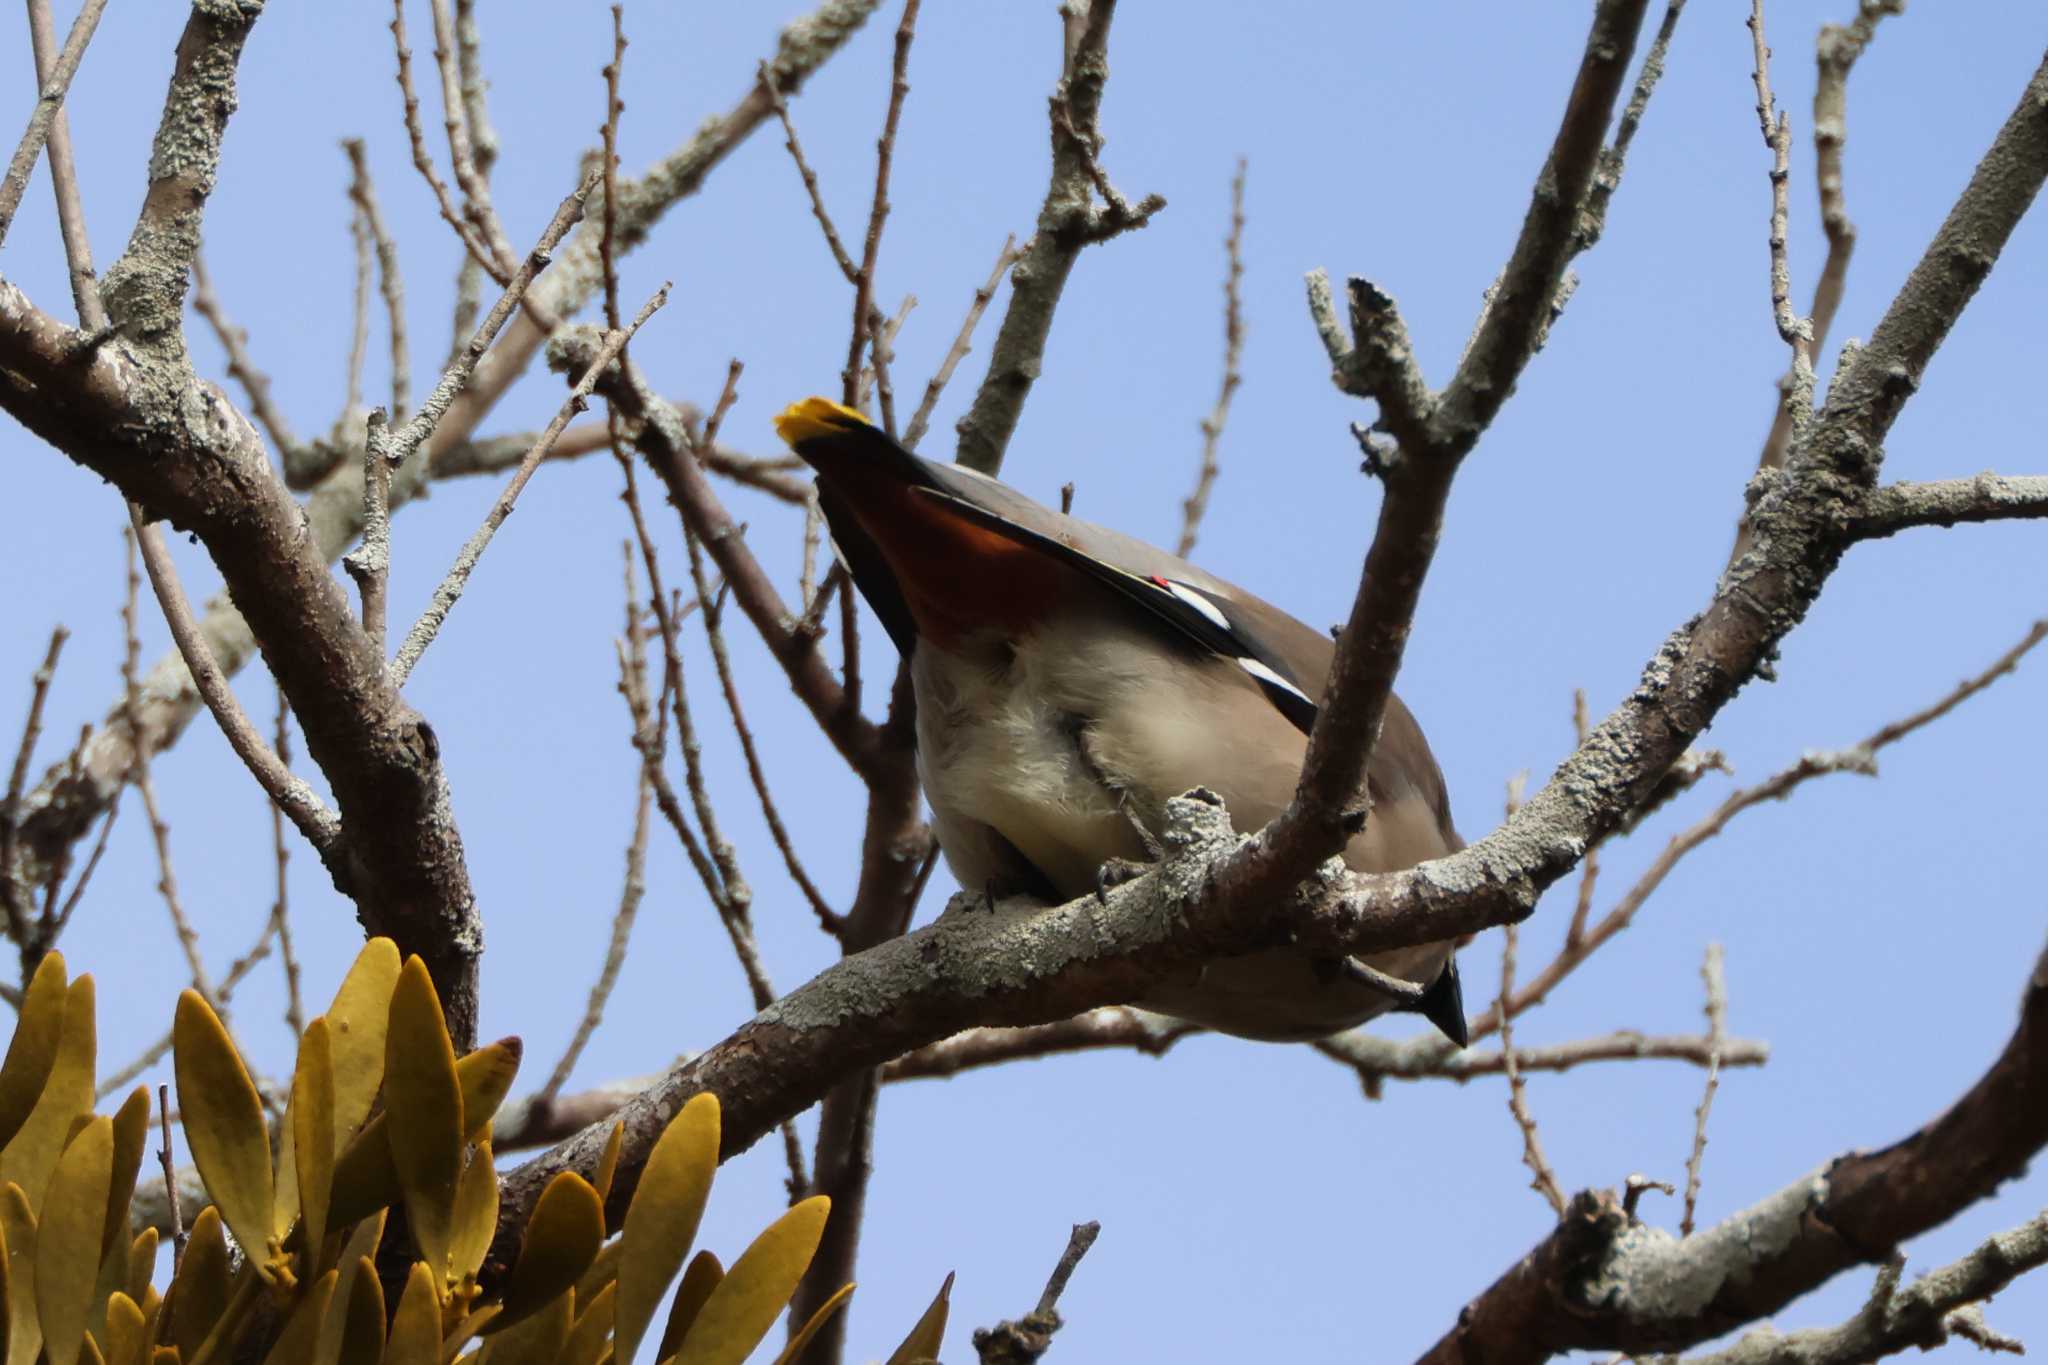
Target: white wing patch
pixel 1195 599
pixel 1270 678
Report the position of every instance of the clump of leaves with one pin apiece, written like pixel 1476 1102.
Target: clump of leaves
pixel 308 1210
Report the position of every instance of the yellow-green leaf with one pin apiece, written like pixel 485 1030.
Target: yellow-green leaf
pixel 141 1264
pixel 662 1221
pixel 362 1329
pixel 33 1050
pixel 563 1235
pixel 592 1332
pixel 355 1023
pixel 312 1128
pixel 89 1353
pixel 24 1333
pixel 68 1240
pixel 816 1324
pixel 6 1296
pixel 536 1341
pixel 924 1339
pixel 476 1214
pixel 757 1288
pixel 365 1176
pixel 603 1271
pixel 355 1260
pixel 66 1097
pixel 423 1111
pixel 199 1292
pixel 300 1338
pixel 127 1332
pixel 700 1277
pixel 223 1119
pixel 416 1327
pixel 131 1137
pixel 608 1166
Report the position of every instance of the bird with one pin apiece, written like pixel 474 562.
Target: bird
pixel 1069 680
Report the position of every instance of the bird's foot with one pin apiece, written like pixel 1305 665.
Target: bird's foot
pixel 1115 873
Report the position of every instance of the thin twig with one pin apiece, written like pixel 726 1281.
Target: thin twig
pixel 1857 758
pixel 476 191
pixel 1197 502
pixel 728 682
pixel 810 179
pixel 608 241
pixel 139 777
pixel 85 289
pixel 1835 55
pixel 1028 1338
pixel 455 378
pixel 450 588
pixel 1589 870
pixel 478 249
pixel 163 1152
pixel 1796 331
pixel 280 909
pixel 1378 1059
pixel 1607 177
pixel 962 343
pixel 634 887
pixel 321 826
pixel 1068 221
pixel 1545 1180
pixel 17 778
pixel 1717 1031
pixel 864 329
pixel 359 335
pixel 369 564
pixel 389 280
pixel 49 100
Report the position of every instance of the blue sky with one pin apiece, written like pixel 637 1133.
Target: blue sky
pixel 1254 1206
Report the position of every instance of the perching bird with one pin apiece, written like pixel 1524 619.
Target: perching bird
pixel 1070 680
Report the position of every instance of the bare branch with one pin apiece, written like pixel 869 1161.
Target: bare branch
pixel 865 333
pixel 321 826
pixel 1717 1030
pixel 16 903
pixel 472 242
pixel 1921 1316
pixel 392 284
pixel 667 445
pixel 51 89
pixel 1382 1059
pixel 1025 1340
pixel 631 892
pixel 810 179
pixel 450 589
pixel 1233 350
pixel 280 909
pixel 1836 53
pixel 1068 220
pixel 1856 758
pixel 1545 1181
pixel 85 286
pixel 921 419
pixel 1601 1280
pixel 1117 1026
pixel 1985 497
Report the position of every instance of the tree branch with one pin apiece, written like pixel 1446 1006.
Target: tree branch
pixel 1068 220
pixel 1603 1281
pixel 1984 497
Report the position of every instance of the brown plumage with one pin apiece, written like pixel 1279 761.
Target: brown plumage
pixel 1071 679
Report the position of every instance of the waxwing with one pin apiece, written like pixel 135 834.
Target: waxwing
pixel 1070 679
